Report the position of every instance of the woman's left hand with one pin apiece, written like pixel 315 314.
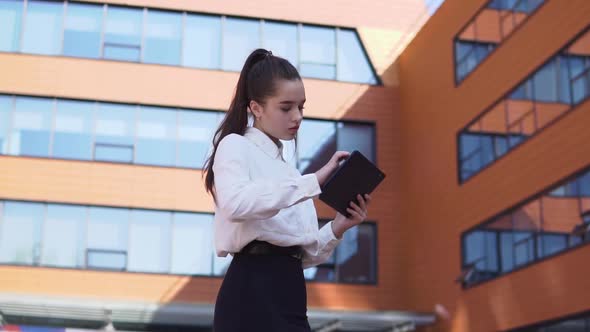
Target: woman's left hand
pixel 358 213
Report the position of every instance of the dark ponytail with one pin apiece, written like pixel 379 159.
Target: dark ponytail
pixel 256 82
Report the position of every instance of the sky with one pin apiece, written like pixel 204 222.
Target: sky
pixel 433 5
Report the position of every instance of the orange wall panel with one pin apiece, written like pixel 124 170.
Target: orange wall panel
pixel 437 209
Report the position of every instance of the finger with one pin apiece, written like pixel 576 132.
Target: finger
pixel 363 205
pixel 355 206
pixel 354 214
pixel 361 211
pixel 358 209
pixel 339 155
pixel 368 198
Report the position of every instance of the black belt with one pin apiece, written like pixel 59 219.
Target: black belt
pixel 264 248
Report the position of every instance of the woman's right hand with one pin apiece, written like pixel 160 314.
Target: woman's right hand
pixel 323 173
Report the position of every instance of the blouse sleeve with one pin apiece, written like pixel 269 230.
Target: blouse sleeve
pixel 241 198
pixel 319 251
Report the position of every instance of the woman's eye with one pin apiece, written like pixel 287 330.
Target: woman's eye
pixel 285 109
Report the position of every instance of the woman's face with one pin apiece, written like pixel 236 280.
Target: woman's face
pixel 281 114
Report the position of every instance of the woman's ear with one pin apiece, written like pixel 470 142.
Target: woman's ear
pixel 255 109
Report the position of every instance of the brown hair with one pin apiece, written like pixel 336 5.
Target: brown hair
pixel 256 82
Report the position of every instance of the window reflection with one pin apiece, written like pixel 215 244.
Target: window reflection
pixel 241 37
pixel 72 137
pixel 83 26
pixel 10 24
pixel 493 24
pixel 162 37
pixel 122 35
pixel 149 241
pixel 178 38
pixel 202 41
pixel 545 226
pixel 42 27
pixel 318 52
pixel 31 125
pixel 20 232
pixel 541 99
pixel 353 261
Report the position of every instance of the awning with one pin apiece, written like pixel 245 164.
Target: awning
pixel 18 308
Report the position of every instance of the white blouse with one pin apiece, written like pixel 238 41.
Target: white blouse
pixel 262 197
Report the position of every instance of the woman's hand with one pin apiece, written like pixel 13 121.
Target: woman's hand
pixel 358 213
pixel 331 166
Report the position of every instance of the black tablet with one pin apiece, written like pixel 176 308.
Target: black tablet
pixel 356 175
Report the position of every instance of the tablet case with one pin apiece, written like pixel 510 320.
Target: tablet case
pixel 356 175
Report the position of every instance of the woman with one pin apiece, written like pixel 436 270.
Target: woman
pixel 264 212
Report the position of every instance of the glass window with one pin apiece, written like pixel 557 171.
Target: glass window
pixel 240 38
pixel 201 43
pixel 122 36
pixel 523 248
pixel 579 83
pixel 500 146
pixel 108 234
pixel 523 91
pixel 20 232
pixel 82 30
pixel 356 255
pixel 72 137
pixel 507 246
pixel 149 241
pixel 192 244
pixel 462 48
pixel 63 236
pixel 318 52
pixel 163 33
pixel 156 137
pixel 357 136
pixel 468 55
pixel 281 39
pixel 584 185
pixel 31 127
pixel 11 12
pixel 564 81
pixel 42 29
pixel 353 64
pixel 475 249
pixel 545 83
pixel 195 136
pixel 316 144
pixel 115 133
pixel 550 244
pixel 5 110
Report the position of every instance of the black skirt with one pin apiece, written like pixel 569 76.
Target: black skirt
pixel 262 293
